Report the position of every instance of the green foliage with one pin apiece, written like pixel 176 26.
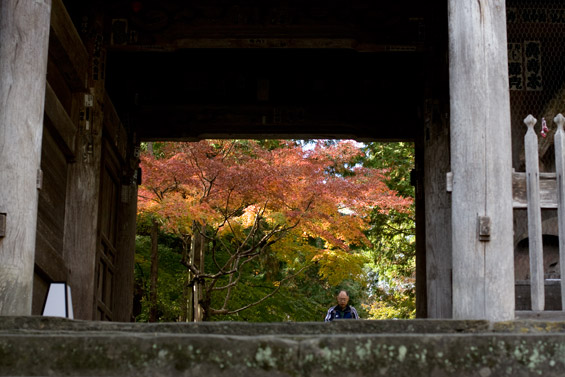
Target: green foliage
pixel 305 298
pixel 393 234
pixel 397 159
pixel 170 278
pixel 391 304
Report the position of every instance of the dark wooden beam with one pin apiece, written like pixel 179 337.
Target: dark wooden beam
pixel 66 47
pixel 196 122
pixel 62 123
pixel 114 128
pixel 270 42
pixel 173 25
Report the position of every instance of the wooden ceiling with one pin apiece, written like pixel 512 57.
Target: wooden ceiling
pixel 186 70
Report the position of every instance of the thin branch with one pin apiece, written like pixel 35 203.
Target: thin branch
pixel 214 255
pixel 226 153
pixel 401 231
pixel 224 311
pixel 234 269
pixel 203 180
pixel 230 288
pixel 254 228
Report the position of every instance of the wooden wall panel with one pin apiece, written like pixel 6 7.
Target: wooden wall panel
pixel 63 128
pixel 58 84
pixel 40 288
pixel 66 48
pixel 49 263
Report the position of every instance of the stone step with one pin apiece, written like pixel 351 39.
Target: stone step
pixel 245 328
pixel 58 347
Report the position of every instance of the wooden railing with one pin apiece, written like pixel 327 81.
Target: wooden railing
pixel 536 191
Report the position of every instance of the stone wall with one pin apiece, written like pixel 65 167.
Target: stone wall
pixel 49 347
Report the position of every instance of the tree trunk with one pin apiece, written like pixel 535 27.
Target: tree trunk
pixel 197 260
pixel 24 37
pixel 186 314
pixel 153 310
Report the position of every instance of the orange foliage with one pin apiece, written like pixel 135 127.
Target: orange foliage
pixel 226 184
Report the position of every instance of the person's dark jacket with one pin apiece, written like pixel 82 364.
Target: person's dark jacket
pixel 335 312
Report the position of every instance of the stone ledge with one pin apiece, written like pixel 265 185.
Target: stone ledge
pixel 61 347
pixel 145 354
pixel 419 326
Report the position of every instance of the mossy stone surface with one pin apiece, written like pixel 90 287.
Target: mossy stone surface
pixel 57 347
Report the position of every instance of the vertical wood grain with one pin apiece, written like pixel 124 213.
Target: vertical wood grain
pixel 483 274
pixel 125 263
pixel 559 140
pixel 83 189
pixel 24 36
pixel 438 219
pixel 535 241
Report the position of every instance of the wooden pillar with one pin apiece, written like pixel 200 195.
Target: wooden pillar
pixel 436 165
pixel 483 273
pixel 438 211
pixel 24 37
pixel 421 279
pixel 81 217
pixel 83 187
pixel 125 264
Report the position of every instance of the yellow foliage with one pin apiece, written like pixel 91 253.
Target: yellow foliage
pixel 293 249
pixel 337 265
pixel 390 310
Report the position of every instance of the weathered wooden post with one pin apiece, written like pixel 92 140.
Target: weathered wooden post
pixel 84 176
pixel 483 272
pixel 24 37
pixel 537 281
pixel 559 140
pixel 438 219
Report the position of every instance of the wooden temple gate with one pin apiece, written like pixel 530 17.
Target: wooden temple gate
pixel 68 156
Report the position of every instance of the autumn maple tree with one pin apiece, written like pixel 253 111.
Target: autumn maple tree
pixel 235 200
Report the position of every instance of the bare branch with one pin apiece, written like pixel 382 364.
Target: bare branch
pixel 230 289
pixel 227 152
pixel 214 255
pixel 225 311
pixel 254 228
pixel 203 180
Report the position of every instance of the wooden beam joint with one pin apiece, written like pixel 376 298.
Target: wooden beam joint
pixel 3 225
pixel 484 228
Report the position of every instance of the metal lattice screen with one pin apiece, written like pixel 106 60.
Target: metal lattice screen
pixel 536 67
